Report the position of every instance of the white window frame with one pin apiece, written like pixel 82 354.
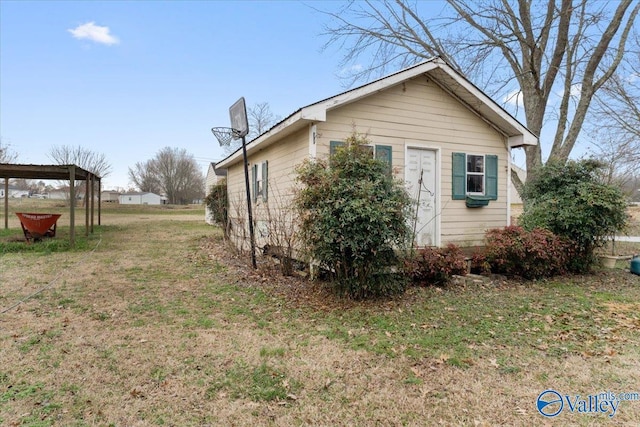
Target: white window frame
pixel 468 173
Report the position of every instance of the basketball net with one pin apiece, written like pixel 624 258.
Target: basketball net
pixel 225 135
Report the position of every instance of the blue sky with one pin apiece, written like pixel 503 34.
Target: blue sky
pixel 129 78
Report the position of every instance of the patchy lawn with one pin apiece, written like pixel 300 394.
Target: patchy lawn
pixel 156 323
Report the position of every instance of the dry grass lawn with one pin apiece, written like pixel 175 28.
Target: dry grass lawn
pixel 153 322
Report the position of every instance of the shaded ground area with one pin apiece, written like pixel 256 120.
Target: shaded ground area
pixel 163 325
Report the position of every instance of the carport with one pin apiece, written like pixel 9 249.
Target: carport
pixel 71 173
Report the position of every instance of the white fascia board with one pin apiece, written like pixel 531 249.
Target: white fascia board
pixel 314 113
pixel 251 147
pixel 523 139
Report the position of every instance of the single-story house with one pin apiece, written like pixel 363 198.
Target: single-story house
pixel 59 194
pixel 13 192
pixel 141 198
pixel 515 196
pixel 110 196
pixel 446 139
pixel 213 176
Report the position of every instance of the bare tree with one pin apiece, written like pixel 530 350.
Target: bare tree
pixel 144 176
pixel 619 101
pixel 557 54
pixel 615 124
pixel 620 158
pixel 92 161
pixel 6 154
pixel 173 172
pixel 261 119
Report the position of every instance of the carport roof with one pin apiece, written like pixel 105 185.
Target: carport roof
pixel 61 172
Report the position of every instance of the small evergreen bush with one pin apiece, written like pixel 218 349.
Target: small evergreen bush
pixel 571 201
pixel 435 265
pixel 533 254
pixel 353 215
pixel 218 202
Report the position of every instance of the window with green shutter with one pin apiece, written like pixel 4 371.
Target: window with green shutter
pixel 459 178
pixel 265 180
pixel 380 152
pixel 384 152
pixel 254 183
pixel 491 177
pixel 333 146
pixel 260 181
pixel 474 177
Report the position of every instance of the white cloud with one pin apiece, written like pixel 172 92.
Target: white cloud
pixel 351 70
pixel 95 33
pixel 514 98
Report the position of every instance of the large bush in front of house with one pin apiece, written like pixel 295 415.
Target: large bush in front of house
pixel 218 203
pixel 353 215
pixel 573 202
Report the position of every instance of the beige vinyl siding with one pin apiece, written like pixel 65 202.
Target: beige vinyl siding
pixel 418 113
pixel 282 158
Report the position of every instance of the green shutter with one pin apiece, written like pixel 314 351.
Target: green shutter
pixel 265 180
pixel 383 152
pixel 333 146
pixel 458 178
pixel 491 176
pixel 254 181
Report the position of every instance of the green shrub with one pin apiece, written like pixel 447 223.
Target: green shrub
pixel 571 201
pixel 353 215
pixel 218 202
pixel 435 265
pixel 533 254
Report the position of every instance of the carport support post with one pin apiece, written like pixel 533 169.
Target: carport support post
pixel 99 199
pixel 93 193
pixel 72 207
pixel 86 206
pixel 6 203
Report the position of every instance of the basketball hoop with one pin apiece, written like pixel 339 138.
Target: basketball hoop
pixel 239 129
pixel 225 135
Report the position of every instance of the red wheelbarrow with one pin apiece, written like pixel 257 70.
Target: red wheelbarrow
pixel 38 225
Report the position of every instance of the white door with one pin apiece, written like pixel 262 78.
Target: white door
pixel 421 184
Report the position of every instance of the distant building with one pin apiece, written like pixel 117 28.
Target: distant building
pixel 61 194
pixel 110 196
pixel 141 198
pixel 522 174
pixel 14 192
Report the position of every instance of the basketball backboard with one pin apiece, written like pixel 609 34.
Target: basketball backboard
pixel 239 123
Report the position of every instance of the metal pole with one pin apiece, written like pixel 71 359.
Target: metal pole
pixel 246 182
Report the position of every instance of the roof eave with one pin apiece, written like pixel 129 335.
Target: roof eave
pixel 522 140
pixel 265 138
pixel 518 135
